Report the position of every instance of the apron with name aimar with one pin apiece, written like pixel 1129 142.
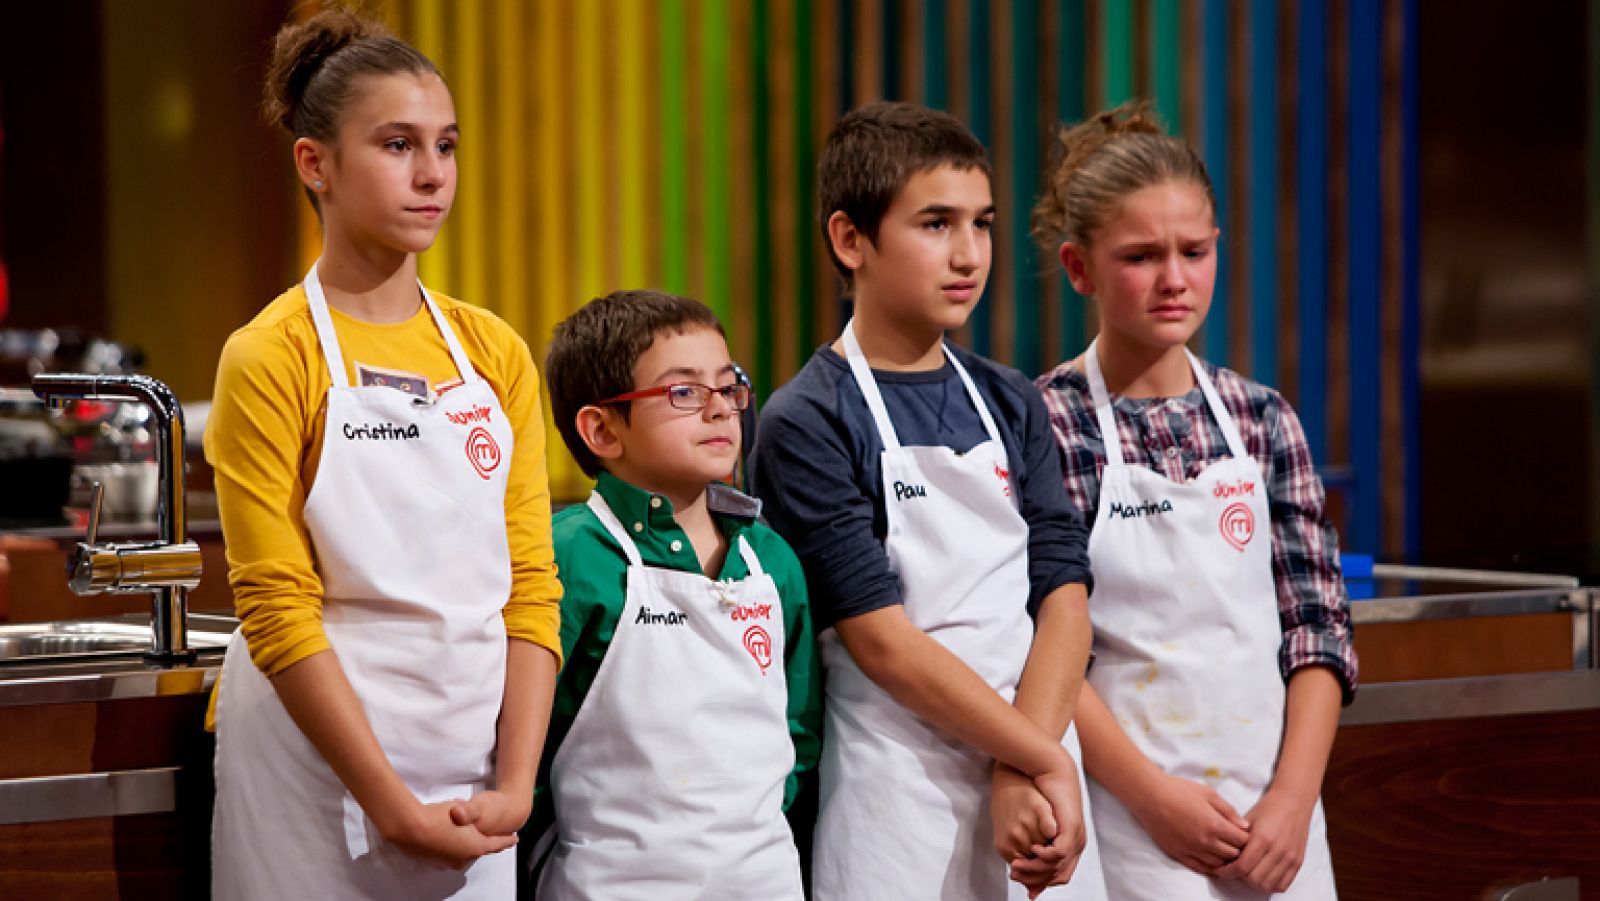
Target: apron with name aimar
pixel 407 519
pixel 670 783
pixel 904 807
pixel 1186 638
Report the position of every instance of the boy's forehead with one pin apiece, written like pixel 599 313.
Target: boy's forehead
pixel 946 185
pixel 697 348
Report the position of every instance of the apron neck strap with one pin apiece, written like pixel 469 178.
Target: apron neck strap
pixel 608 518
pixel 328 337
pixel 751 561
pixel 880 413
pixel 1104 412
pixel 1110 436
pixel 603 512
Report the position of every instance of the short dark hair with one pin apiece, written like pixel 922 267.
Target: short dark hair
pixel 594 351
pixel 874 150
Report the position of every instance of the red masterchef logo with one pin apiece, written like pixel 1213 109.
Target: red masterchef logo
pixel 482 451
pixel 759 644
pixel 1238 525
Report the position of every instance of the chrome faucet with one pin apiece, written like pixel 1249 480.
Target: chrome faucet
pixel 168 568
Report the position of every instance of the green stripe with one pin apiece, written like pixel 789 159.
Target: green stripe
pixel 1166 62
pixel 804 162
pixel 674 149
pixel 716 174
pixel 1117 51
pixel 761 136
pixel 1070 107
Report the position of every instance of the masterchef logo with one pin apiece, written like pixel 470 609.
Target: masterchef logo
pixel 483 452
pixel 1238 525
pixel 759 644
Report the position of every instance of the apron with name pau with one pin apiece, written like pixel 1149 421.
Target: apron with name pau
pixel 904 807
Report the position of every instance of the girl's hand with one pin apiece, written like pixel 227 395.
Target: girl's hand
pixel 429 832
pixel 1271 859
pixel 1193 824
pixel 494 812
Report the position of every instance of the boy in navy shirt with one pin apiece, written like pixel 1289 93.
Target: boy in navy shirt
pixel 921 488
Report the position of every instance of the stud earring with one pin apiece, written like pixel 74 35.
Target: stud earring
pixel 317 184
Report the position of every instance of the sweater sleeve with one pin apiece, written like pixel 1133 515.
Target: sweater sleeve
pixel 255 440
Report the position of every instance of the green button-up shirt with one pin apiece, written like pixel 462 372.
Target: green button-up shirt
pixel 594 574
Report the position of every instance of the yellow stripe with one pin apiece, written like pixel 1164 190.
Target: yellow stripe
pixel 427 35
pixel 553 213
pixel 510 183
pixel 472 199
pixel 630 135
pixel 591 188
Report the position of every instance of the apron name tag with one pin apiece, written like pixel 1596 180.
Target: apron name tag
pixel 902 491
pixel 1134 511
pixel 670 618
pixel 381 431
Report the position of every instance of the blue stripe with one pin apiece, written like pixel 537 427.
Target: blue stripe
pixel 935 81
pixel 1025 332
pixel 1070 108
pixel 1410 327
pixel 1214 102
pixel 1366 278
pixel 1311 139
pixel 978 121
pixel 1263 187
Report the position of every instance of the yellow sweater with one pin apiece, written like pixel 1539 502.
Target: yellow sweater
pixel 264 439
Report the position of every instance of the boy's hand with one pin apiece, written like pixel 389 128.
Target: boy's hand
pixel 1279 824
pixel 1193 824
pixel 493 812
pixel 1022 817
pixel 1053 861
pixel 429 832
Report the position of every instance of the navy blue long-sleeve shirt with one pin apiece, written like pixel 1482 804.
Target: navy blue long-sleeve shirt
pixel 815 465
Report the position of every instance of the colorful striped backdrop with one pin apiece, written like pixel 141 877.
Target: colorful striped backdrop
pixel 671 144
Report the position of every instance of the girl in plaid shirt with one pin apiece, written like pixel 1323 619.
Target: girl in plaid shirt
pixel 1222 633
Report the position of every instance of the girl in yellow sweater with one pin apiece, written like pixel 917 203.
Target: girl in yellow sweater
pixel 379 453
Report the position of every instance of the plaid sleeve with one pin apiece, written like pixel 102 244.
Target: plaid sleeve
pixel 1077 434
pixel 1312 604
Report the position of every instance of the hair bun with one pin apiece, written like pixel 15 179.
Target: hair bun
pixel 298 52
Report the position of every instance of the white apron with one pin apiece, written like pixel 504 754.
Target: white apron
pixel 407 518
pixel 904 807
pixel 669 784
pixel 1186 638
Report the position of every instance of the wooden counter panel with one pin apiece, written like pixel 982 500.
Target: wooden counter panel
pixel 1479 646
pixel 1454 809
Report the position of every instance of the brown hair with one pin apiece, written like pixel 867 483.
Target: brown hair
pixel 594 351
pixel 873 151
pixel 315 65
pixel 1103 160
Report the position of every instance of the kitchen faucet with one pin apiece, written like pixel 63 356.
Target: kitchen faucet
pixel 167 568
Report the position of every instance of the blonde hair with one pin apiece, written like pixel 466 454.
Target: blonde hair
pixel 1100 162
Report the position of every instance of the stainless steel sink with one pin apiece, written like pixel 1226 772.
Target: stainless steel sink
pixel 29 643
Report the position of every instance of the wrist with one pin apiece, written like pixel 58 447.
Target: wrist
pixel 394 815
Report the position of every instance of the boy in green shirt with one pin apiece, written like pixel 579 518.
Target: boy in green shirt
pixel 689 705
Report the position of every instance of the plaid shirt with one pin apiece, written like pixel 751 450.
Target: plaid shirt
pixel 1178 438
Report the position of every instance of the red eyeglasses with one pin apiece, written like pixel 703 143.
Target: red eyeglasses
pixel 689 395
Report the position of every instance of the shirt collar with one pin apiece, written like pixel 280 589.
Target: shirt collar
pixel 636 505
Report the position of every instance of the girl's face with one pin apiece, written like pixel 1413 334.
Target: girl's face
pixel 1151 268
pixel 392 176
